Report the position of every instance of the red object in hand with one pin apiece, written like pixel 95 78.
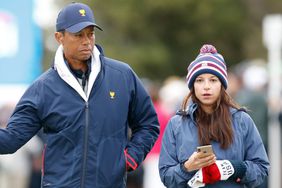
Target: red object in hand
pixel 220 170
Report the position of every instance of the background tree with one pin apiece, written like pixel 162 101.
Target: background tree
pixel 160 38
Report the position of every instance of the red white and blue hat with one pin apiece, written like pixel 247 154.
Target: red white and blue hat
pixel 208 61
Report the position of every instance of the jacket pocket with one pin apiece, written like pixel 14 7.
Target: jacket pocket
pixel 111 171
pixel 60 158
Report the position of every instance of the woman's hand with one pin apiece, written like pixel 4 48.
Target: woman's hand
pixel 199 160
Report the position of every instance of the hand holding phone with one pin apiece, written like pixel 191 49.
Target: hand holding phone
pixel 205 149
pixel 203 157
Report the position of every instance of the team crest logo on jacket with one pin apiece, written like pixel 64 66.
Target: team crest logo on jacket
pixel 112 94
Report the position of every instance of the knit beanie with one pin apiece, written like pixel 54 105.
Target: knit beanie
pixel 208 61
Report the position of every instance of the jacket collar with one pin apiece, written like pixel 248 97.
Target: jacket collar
pixel 190 110
pixel 70 79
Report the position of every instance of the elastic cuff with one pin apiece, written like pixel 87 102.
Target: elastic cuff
pixel 183 167
pixel 182 171
pixel 239 170
pixel 130 162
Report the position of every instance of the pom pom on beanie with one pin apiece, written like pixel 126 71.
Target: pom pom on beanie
pixel 208 61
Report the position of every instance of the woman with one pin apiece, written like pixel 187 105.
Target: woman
pixel 209 116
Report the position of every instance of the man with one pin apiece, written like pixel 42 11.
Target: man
pixel 86 104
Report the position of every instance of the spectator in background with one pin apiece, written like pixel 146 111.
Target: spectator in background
pixel 250 80
pixel 234 84
pixel 15 169
pixel 150 165
pixel 171 93
pixel 35 179
pixel 253 96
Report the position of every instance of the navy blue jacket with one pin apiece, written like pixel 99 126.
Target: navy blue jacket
pixel 87 143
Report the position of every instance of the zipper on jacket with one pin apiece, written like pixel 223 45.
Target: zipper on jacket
pixel 85 148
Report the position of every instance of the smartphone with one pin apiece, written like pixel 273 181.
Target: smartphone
pixel 205 149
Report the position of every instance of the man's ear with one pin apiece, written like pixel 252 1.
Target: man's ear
pixel 59 37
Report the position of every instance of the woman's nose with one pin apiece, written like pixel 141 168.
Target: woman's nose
pixel 206 85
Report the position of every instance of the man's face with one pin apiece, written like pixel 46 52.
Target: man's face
pixel 77 47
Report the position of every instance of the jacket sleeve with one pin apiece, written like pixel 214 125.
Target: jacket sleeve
pixel 256 159
pixel 143 123
pixel 171 170
pixel 22 125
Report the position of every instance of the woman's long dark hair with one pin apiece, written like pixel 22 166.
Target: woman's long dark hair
pixel 216 126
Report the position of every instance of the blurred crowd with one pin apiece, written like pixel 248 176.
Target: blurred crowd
pixel 247 85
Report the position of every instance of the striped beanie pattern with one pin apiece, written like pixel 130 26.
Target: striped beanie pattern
pixel 208 61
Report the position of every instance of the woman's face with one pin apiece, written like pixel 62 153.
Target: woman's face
pixel 207 89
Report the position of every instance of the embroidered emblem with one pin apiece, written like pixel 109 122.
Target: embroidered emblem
pixel 112 94
pixel 82 12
